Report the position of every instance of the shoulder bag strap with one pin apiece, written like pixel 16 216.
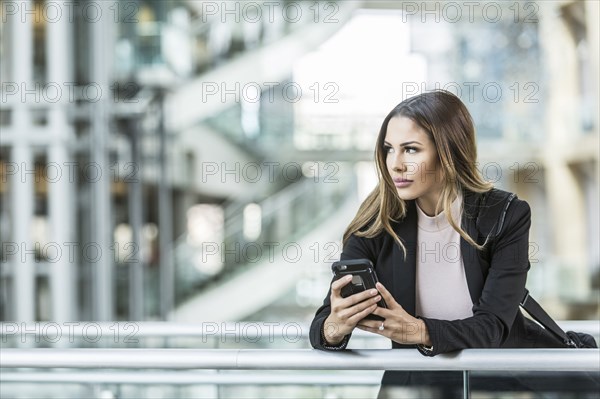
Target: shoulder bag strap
pixel 539 314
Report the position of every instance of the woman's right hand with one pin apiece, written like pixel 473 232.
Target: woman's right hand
pixel 347 312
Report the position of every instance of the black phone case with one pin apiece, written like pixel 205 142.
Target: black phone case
pixel 363 278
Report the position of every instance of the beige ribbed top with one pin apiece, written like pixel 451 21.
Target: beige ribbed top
pixel 441 284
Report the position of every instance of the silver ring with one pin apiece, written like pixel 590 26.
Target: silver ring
pixel 381 327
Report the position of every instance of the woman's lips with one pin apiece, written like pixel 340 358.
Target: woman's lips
pixel 402 182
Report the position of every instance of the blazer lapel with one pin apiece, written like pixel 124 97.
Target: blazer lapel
pixel 404 271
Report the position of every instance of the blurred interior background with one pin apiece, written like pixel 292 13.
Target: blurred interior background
pixel 198 161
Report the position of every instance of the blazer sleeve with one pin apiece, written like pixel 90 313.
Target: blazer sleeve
pixel 355 248
pixel 495 312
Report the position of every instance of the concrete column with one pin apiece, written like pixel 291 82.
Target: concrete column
pixel 22 183
pixel 136 216
pixel 165 221
pixel 566 204
pixel 23 263
pixel 592 12
pixel 101 60
pixel 60 190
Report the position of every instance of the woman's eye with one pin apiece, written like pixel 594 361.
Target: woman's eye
pixel 409 149
pixel 387 149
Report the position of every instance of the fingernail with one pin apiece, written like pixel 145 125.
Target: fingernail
pixel 348 277
pixel 373 292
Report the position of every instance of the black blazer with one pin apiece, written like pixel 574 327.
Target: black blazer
pixel 496 278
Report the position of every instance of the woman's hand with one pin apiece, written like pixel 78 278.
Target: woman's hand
pixel 398 325
pixel 347 312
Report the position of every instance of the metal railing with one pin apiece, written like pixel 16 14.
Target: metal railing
pixel 206 330
pixel 182 378
pixel 237 360
pixel 304 359
pixel 228 367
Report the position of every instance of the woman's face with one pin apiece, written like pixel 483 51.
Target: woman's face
pixel 412 162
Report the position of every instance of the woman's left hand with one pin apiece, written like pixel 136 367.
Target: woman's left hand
pixel 398 325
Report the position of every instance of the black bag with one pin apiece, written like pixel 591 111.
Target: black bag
pixel 570 339
pixel 495 204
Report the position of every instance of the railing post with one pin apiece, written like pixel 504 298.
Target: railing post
pixel 466 386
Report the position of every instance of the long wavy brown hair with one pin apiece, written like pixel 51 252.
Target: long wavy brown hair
pixel 448 124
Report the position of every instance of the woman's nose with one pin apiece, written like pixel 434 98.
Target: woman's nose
pixel 399 164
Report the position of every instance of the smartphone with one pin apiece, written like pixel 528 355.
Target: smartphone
pixel 363 278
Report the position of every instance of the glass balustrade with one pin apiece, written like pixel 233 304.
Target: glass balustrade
pixel 285 217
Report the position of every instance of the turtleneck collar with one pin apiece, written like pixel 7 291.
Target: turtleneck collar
pixel 439 222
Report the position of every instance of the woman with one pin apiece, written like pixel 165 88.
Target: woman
pixel 446 287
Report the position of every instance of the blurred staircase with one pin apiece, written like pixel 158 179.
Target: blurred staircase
pixel 299 224
pixel 311 209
